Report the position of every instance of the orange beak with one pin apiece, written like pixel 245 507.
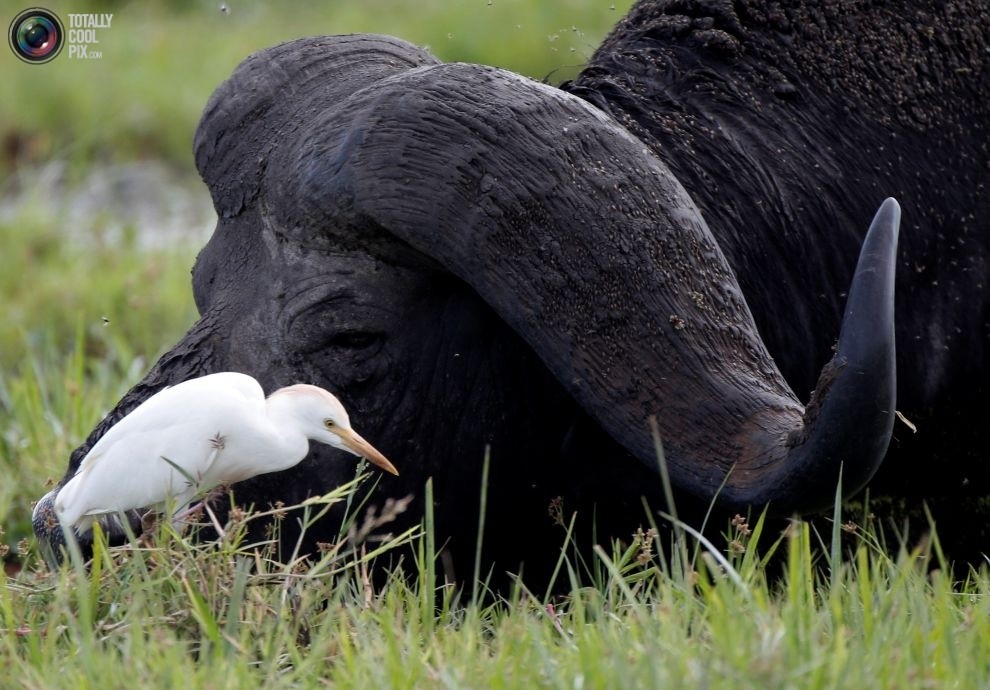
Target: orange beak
pixel 357 445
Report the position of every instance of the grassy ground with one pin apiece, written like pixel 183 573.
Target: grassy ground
pixel 174 614
pixel 86 310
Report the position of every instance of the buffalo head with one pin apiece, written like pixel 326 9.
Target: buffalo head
pixel 469 258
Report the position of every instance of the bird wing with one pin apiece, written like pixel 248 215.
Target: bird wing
pixel 166 405
pixel 164 447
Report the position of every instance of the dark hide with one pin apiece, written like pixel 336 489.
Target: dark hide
pixel 803 116
pixel 468 258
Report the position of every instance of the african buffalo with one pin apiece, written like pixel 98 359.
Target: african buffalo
pixel 469 258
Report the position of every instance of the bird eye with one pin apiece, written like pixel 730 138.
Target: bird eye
pixel 328 423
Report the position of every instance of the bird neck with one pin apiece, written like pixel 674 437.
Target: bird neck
pixel 285 414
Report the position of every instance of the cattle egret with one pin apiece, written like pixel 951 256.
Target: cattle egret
pixel 217 429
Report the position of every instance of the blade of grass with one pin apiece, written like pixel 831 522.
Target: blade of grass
pixel 428 558
pixel 482 510
pixel 236 601
pixel 835 552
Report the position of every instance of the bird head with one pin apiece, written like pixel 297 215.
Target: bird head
pixel 327 421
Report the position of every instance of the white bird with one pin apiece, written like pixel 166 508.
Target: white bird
pixel 219 429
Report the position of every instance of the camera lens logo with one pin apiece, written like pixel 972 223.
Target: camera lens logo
pixel 36 35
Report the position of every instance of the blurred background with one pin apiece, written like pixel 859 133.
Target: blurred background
pixel 101 209
pixel 162 59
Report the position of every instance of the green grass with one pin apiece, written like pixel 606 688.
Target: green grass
pixel 180 614
pixel 86 312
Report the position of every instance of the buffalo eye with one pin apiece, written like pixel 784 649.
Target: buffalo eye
pixel 354 340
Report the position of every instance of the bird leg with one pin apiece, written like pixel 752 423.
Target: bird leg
pixel 196 509
pixel 149 521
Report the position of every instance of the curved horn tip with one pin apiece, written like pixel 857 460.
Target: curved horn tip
pixel 868 321
pixel 858 391
pixel 850 417
pixel 887 219
pixel 890 206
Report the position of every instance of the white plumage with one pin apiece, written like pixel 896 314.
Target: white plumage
pixel 219 429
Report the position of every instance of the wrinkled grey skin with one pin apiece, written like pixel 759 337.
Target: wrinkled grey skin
pixel 470 260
